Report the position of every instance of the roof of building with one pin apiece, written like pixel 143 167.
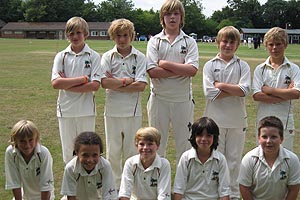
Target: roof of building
pixel 49 26
pixel 264 30
pixel 2 23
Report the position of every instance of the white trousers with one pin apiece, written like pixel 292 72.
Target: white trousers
pixel 231 144
pixel 120 133
pixel 181 116
pixel 69 128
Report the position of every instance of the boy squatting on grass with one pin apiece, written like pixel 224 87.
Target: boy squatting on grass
pixel 202 172
pixel 28 164
pixel 76 73
pixel 226 82
pixel 276 82
pixel 146 175
pixel 123 75
pixel 88 176
pixel 270 171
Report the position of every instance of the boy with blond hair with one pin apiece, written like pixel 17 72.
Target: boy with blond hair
pixel 28 164
pixel 76 74
pixel 146 175
pixel 123 75
pixel 226 82
pixel 276 82
pixel 172 62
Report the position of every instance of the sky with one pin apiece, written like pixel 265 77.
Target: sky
pixel 209 6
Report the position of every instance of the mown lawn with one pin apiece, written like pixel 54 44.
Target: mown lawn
pixel 26 93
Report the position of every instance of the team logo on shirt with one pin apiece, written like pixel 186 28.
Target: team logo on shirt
pixel 287 80
pixel 215 176
pixel 133 70
pixel 87 64
pixel 183 50
pixel 282 174
pixel 111 191
pixel 153 182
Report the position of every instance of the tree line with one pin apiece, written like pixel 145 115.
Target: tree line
pixel 239 13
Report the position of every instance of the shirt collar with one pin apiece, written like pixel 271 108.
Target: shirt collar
pixel 193 155
pixel 134 51
pixel 286 63
pixel 86 49
pixel 156 163
pixel 235 58
pixel 163 36
pixel 282 154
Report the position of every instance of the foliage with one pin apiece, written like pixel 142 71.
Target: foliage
pixel 240 13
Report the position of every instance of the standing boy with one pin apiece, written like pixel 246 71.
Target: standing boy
pixel 270 171
pixel 123 74
pixel 276 82
pixel 226 82
pixel 76 73
pixel 172 62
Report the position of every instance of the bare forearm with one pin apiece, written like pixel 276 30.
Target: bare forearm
pixel 88 87
pixel 180 69
pixel 67 83
pixel 230 89
pixel 262 97
pixel 158 72
pixel 283 93
pixel 133 87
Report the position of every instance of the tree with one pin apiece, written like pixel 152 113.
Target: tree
pixel 11 10
pixel 114 9
pixel 275 13
pixel 194 19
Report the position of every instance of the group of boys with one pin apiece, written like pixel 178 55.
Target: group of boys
pixel 172 59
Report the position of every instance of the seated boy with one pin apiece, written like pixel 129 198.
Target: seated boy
pixel 270 171
pixel 146 175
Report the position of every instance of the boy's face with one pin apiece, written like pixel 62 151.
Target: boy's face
pixel 172 20
pixel 123 40
pixel 77 39
pixel 276 48
pixel 270 140
pixel 147 150
pixel 88 156
pixel 26 146
pixel 204 141
pixel 227 48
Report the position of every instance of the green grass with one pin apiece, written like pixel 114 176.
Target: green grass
pixel 26 93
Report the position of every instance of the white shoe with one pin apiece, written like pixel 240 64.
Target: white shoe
pixel 64 197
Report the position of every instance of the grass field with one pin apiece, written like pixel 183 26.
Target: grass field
pixel 26 93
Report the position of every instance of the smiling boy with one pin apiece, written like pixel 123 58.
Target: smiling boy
pixel 270 171
pixel 146 175
pixel 276 82
pixel 226 82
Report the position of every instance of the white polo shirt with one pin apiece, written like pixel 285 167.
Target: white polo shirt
pixel 228 112
pixel 87 62
pixel 98 184
pixel 269 183
pixel 183 50
pixel 34 177
pixel 153 183
pixel 265 74
pixel 124 104
pixel 196 180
